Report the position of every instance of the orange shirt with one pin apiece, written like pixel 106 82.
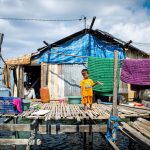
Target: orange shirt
pixel 86 87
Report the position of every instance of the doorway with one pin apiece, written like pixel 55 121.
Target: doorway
pixel 32 75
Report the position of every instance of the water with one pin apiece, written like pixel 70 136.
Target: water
pixel 75 142
pixel 68 141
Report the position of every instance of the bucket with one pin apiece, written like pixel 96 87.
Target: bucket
pixel 44 94
pixel 74 99
pixel 26 104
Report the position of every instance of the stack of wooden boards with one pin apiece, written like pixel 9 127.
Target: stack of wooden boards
pixel 139 130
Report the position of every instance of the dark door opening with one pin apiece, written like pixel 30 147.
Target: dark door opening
pixel 32 75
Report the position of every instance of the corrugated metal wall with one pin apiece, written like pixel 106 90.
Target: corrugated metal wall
pixel 64 80
pixel 72 76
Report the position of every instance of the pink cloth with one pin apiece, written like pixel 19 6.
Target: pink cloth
pixel 17 102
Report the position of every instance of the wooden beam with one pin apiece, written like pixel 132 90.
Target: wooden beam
pixel 15 127
pixel 124 132
pixel 144 121
pixel 7 120
pixel 114 110
pixel 63 128
pixel 135 134
pixel 114 105
pixel 114 146
pixel 18 142
pixel 92 23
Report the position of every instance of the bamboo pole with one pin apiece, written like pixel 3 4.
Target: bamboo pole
pixel 114 110
pixel 114 106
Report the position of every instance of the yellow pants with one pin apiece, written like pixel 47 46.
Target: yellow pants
pixel 87 100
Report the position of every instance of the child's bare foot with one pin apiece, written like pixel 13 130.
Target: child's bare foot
pixel 85 108
pixel 89 108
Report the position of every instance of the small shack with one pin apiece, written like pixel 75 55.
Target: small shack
pixel 58 65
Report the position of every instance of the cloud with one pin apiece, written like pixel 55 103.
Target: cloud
pixel 117 17
pixel 135 32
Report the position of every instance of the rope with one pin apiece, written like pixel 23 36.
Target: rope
pixel 110 131
pixel 30 141
pixel 34 19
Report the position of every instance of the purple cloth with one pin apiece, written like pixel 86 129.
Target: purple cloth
pixel 136 71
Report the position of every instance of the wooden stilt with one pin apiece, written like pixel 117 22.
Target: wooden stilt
pixel 84 136
pixel 90 136
pixel 114 108
pixel 15 120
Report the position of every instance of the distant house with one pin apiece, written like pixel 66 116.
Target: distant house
pixel 58 65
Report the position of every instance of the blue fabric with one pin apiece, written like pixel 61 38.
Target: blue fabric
pixel 115 128
pixel 85 45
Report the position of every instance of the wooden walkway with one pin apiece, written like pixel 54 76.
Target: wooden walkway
pixel 76 111
pixel 138 131
pixel 58 111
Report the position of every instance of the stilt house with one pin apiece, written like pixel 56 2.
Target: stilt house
pixel 58 65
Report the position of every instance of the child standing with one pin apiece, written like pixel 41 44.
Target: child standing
pixel 86 89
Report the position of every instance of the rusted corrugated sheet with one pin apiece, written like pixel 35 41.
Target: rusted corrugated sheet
pixel 64 80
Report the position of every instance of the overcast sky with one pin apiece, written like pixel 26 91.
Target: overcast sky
pixel 124 19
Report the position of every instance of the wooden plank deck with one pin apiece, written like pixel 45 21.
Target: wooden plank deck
pixel 139 131
pixel 76 111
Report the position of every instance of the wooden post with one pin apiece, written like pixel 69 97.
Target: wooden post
pixel 90 136
pixel 84 135
pixel 21 81
pixel 44 73
pixel 15 120
pixel 18 83
pixel 114 108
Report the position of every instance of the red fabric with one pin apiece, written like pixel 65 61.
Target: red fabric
pixel 138 104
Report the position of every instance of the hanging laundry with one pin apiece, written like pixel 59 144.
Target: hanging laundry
pixel 18 103
pixel 136 71
pixel 102 69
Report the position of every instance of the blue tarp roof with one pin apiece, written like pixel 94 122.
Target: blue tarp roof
pixel 78 49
